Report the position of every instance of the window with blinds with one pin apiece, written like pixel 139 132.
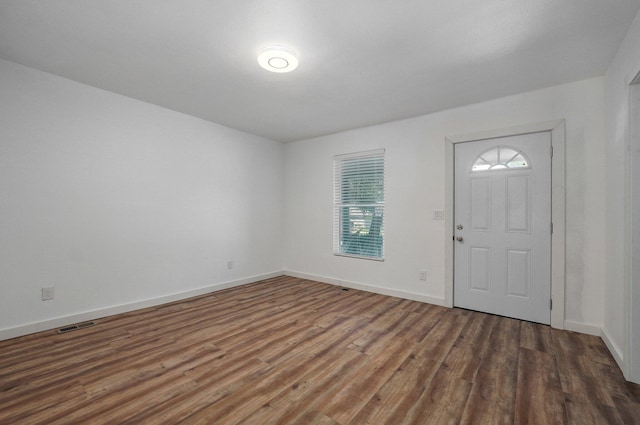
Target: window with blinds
pixel 358 225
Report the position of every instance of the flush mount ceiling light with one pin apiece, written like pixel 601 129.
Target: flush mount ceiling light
pixel 278 59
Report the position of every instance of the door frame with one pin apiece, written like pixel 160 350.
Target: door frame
pixel 631 356
pixel 558 192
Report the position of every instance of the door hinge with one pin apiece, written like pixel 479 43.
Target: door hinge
pixel 550 303
pixel 551 152
pixel 552 228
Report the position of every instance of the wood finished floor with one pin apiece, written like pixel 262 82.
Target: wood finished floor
pixel 290 351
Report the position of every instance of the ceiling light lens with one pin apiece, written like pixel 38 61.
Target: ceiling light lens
pixel 278 63
pixel 278 59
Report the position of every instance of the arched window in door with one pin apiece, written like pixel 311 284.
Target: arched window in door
pixel 501 158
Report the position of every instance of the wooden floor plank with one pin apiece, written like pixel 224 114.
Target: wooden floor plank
pixel 239 373
pixel 471 347
pixel 492 397
pixel 628 410
pixel 580 412
pixel 535 336
pixel 348 399
pixel 293 351
pixel 325 375
pixel 442 402
pixel 400 393
pixel 539 396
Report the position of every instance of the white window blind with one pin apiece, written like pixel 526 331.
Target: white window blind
pixel 358 221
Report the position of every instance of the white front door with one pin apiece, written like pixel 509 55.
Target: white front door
pixel 503 226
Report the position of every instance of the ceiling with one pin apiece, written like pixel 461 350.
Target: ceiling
pixel 362 62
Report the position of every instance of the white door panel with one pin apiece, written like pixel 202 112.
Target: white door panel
pixel 503 226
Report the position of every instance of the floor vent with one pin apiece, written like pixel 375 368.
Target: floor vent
pixel 75 327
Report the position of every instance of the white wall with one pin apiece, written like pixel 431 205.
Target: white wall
pixel 415 158
pixel 621 73
pixel 117 202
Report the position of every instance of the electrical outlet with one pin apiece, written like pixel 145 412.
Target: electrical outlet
pixel 422 275
pixel 48 293
pixel 438 214
pixel 230 264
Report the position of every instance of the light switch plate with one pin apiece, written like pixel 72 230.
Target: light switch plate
pixel 48 293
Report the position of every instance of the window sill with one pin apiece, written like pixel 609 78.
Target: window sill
pixel 360 257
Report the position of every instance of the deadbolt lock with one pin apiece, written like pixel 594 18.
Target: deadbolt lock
pixel 459 227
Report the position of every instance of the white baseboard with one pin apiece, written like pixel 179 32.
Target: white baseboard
pixel 124 308
pixel 583 328
pixel 615 351
pixel 369 288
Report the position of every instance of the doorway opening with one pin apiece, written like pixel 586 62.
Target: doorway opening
pixel 556 129
pixel 502 211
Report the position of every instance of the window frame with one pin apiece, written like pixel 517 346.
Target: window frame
pixel 374 208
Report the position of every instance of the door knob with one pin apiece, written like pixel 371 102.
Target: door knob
pixel 460 239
